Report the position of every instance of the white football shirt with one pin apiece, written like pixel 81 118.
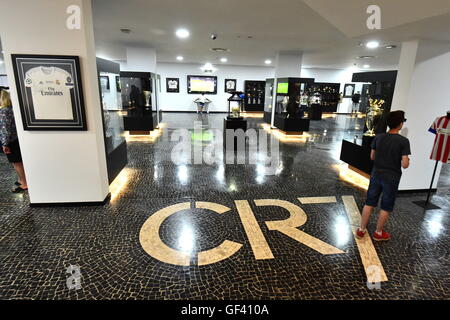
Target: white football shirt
pixel 50 87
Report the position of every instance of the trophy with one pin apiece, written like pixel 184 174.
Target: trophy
pixel 373 116
pixel 147 95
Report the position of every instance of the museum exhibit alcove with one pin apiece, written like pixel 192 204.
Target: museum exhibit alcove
pixel 288 116
pixel 140 94
pixel 382 85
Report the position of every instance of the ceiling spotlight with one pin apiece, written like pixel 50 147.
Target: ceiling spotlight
pixel 372 44
pixel 268 61
pixel 208 68
pixel 1 61
pixel 182 33
pixel 366 66
pixel 391 46
pixel 223 60
pixel 180 58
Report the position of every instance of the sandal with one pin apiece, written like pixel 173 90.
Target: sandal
pixel 17 183
pixel 18 190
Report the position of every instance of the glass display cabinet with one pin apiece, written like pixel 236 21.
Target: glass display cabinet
pixel 235 103
pixel 288 114
pixel 254 95
pixel 268 101
pixel 113 125
pixel 329 95
pixel 140 101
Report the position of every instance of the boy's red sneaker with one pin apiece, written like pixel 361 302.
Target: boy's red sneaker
pixel 360 234
pixel 383 237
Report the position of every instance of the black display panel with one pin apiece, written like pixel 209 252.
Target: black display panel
pixel 202 84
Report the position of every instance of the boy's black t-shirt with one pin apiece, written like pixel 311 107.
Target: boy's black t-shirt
pixel 390 148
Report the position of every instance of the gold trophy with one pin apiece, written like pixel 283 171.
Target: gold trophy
pixel 373 116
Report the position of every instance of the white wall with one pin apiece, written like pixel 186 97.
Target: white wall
pixel 183 101
pixel 428 99
pixel 60 166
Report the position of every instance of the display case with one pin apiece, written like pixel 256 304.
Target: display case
pixel 268 101
pixel 235 103
pixel 357 153
pixel 140 92
pixel 288 114
pixel 254 95
pixel 329 95
pixel 113 125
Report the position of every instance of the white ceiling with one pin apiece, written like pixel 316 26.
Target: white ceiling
pixel 327 31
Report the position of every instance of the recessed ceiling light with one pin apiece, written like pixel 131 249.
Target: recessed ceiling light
pixel 372 44
pixel 268 61
pixel 366 66
pixel 223 60
pixel 182 33
pixel 125 31
pixel 180 58
pixel 1 61
pixel 391 46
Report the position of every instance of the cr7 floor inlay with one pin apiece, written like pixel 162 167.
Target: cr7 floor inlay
pixel 155 247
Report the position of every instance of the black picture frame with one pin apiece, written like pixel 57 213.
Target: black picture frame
pixel 170 82
pixel 190 91
pixel 104 82
pixel 345 89
pixel 232 88
pixel 65 80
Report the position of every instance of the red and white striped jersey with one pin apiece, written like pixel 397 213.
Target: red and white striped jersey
pixel 441 148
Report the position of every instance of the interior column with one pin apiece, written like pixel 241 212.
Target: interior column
pixel 61 166
pixel 287 64
pixel 405 72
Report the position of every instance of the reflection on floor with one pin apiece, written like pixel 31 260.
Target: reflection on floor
pixel 242 234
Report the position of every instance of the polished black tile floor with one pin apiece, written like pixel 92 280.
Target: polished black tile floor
pixel 37 245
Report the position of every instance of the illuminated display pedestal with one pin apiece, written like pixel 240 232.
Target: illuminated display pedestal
pixel 315 112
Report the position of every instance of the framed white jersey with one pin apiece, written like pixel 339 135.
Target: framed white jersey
pixel 50 92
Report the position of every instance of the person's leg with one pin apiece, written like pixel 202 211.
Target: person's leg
pixel 18 166
pixel 373 196
pixel 382 219
pixel 366 213
pixel 390 190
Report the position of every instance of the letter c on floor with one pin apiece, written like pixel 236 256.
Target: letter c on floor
pixel 155 247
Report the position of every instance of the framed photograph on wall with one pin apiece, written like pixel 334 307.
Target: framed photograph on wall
pixel 50 92
pixel 349 90
pixel 173 85
pixel 104 83
pixel 230 85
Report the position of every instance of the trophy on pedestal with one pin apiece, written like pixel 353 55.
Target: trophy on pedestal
pixel 147 95
pixel 373 117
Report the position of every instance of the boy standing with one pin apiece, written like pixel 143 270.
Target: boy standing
pixel 390 151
